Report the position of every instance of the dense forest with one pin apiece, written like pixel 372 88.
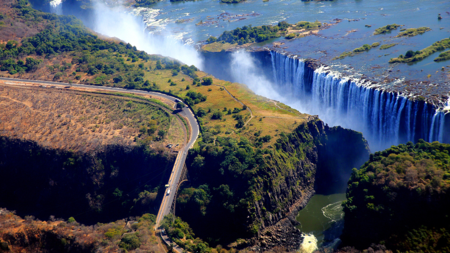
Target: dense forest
pixel 400 198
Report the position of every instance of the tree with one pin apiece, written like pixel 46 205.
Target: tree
pixel 71 220
pixel 117 193
pixel 161 133
pixel 201 112
pixel 130 242
pixel 58 76
pixel 211 39
pixel 409 54
pixel 180 106
pixel 198 162
pixel 158 64
pixel 207 81
pixel 32 64
pixel 217 115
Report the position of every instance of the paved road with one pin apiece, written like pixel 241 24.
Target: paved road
pixel 182 154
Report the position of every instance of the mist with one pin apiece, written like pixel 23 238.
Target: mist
pixel 244 70
pixel 120 23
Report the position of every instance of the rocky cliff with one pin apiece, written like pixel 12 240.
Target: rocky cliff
pixel 111 183
pixel 329 156
pixel 258 192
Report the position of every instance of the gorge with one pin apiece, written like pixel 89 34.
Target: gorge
pixel 286 122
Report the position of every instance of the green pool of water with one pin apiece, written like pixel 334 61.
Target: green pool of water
pixel 322 218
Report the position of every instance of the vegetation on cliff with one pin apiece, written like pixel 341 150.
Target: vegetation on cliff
pixel 411 56
pixel 247 187
pixel 400 198
pixel 112 183
pixel 182 234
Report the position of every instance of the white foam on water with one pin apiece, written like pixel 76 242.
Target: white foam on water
pixel 333 211
pixel 447 106
pixel 309 244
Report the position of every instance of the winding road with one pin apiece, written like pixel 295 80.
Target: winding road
pixel 182 154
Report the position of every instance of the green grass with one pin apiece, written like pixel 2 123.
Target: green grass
pixel 422 54
pixel 363 48
pixel 443 56
pixel 411 32
pixel 386 29
pixel 386 46
pixel 308 25
pixel 217 46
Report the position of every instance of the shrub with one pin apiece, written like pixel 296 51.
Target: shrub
pixel 207 81
pixel 217 115
pixel 290 36
pixel 58 76
pixel 130 242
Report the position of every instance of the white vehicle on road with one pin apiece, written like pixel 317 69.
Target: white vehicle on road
pixel 168 192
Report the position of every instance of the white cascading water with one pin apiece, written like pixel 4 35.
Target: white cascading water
pixel 309 244
pixel 384 118
pixel 56 7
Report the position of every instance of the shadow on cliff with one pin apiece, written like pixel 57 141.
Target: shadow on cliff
pixel 340 152
pixel 113 183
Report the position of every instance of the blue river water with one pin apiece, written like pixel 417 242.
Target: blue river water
pixel 195 21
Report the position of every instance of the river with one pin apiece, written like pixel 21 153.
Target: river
pixel 321 221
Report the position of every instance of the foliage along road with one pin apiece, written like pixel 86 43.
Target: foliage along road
pixel 182 154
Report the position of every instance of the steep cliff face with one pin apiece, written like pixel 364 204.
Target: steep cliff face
pixel 111 183
pixel 329 156
pixel 256 191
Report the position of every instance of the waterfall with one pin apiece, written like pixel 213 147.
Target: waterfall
pixel 56 7
pixel 384 118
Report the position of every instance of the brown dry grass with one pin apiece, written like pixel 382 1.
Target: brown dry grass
pixel 80 122
pixel 14 28
pixel 29 235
